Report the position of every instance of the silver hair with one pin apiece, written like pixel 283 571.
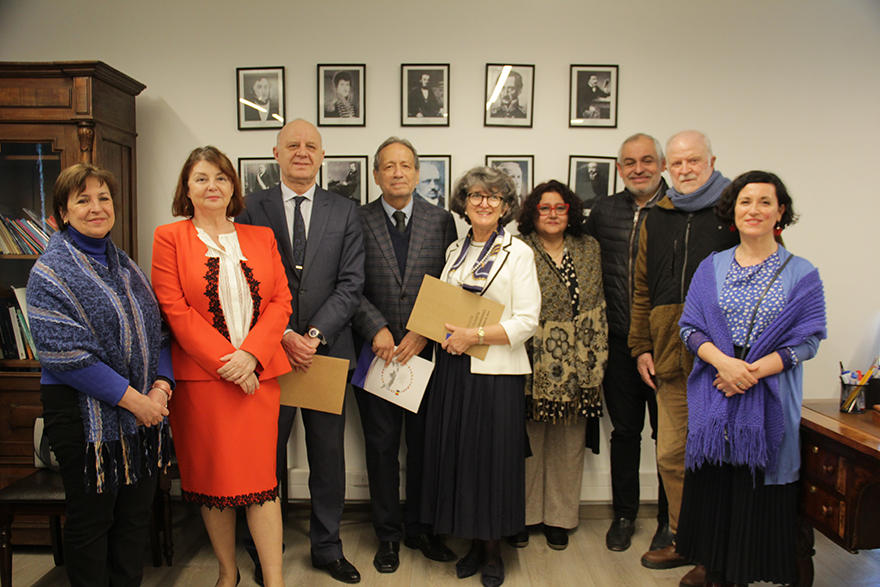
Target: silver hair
pixel 702 136
pixel 391 141
pixel 490 179
pixel 640 135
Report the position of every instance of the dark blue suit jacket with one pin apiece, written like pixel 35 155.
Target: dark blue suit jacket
pixel 388 296
pixel 328 292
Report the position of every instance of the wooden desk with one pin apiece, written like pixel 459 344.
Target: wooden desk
pixel 840 481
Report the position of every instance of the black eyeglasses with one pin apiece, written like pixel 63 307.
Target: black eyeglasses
pixel 477 199
pixel 544 209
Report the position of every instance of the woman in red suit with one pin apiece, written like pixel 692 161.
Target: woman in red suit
pixel 223 292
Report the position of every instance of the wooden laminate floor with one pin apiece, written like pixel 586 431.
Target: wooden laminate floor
pixel 585 563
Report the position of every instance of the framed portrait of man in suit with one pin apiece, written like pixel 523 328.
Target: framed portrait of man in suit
pixel 424 95
pixel 521 168
pixel 258 173
pixel 591 178
pixel 593 96
pixel 346 176
pixel 342 95
pixel 510 95
pixel 260 97
pixel 435 177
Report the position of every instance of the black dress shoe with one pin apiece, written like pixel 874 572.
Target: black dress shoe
pixel 520 539
pixel 493 574
pixel 557 538
pixel 468 565
pixel 340 569
pixel 619 535
pixel 431 546
pixel 387 560
pixel 663 537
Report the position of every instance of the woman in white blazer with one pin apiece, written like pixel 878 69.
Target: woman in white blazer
pixel 475 441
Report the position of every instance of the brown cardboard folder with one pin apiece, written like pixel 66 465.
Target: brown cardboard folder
pixel 320 388
pixel 440 303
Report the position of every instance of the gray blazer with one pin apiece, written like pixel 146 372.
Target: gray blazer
pixel 328 292
pixel 388 297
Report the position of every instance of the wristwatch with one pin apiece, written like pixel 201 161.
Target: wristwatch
pixel 315 333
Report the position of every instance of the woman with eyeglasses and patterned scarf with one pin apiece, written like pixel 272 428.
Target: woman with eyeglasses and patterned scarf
pixel 475 441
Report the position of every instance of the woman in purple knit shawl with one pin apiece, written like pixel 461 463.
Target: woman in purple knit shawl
pixel 753 315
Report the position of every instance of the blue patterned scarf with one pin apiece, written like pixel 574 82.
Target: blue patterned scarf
pixel 705 197
pixel 82 313
pixel 483 266
pixel 752 423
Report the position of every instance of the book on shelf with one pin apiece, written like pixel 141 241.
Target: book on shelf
pixel 25 236
pixel 16 332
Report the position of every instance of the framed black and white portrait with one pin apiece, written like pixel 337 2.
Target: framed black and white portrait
pixel 260 97
pixel 258 173
pixel 591 178
pixel 435 177
pixel 593 96
pixel 341 95
pixel 346 176
pixel 510 95
pixel 520 167
pixel 424 96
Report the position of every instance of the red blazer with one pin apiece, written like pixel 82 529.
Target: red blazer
pixel 178 277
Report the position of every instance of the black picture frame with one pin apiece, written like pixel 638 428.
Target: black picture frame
pixel 592 98
pixel 587 186
pixel 338 176
pixel 416 108
pixel 501 110
pixel 253 112
pixel 258 173
pixel 435 180
pixel 334 109
pixel 523 173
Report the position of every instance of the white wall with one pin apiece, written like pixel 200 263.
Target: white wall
pixel 791 86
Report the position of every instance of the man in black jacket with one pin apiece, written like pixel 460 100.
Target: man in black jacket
pixel 615 222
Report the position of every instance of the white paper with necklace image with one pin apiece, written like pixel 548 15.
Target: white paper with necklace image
pixel 400 384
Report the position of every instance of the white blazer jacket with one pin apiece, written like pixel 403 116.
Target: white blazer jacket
pixel 513 281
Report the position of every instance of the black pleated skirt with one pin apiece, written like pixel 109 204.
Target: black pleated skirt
pixel 732 523
pixel 474 476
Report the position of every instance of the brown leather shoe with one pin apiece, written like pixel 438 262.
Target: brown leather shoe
pixel 665 558
pixel 696 577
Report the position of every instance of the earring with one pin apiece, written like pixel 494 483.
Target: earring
pixel 778 230
pixel 732 228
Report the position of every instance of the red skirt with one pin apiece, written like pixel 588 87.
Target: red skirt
pixel 225 441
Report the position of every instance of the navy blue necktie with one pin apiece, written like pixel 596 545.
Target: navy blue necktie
pixel 299 235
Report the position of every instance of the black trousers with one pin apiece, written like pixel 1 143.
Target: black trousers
pixel 626 398
pixel 104 533
pixel 326 454
pixel 383 423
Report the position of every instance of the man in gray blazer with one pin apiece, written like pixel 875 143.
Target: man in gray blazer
pixel 404 240
pixel 319 238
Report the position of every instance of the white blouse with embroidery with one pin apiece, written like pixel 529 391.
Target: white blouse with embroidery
pixel 235 295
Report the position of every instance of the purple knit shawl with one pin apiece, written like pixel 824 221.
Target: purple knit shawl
pixel 751 423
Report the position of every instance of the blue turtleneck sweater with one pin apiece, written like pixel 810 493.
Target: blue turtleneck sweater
pixel 99 380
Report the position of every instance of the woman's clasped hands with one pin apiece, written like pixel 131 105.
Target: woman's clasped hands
pixel 239 368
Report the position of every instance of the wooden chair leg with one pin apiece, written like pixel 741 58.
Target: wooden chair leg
pixel 5 550
pixel 57 541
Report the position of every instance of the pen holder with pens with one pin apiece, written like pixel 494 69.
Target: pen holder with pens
pixel 856 399
pixel 852 398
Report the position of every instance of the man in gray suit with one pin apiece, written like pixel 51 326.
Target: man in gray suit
pixel 404 240
pixel 319 238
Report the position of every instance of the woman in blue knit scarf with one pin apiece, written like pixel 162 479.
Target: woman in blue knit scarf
pixel 106 380
pixel 753 315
